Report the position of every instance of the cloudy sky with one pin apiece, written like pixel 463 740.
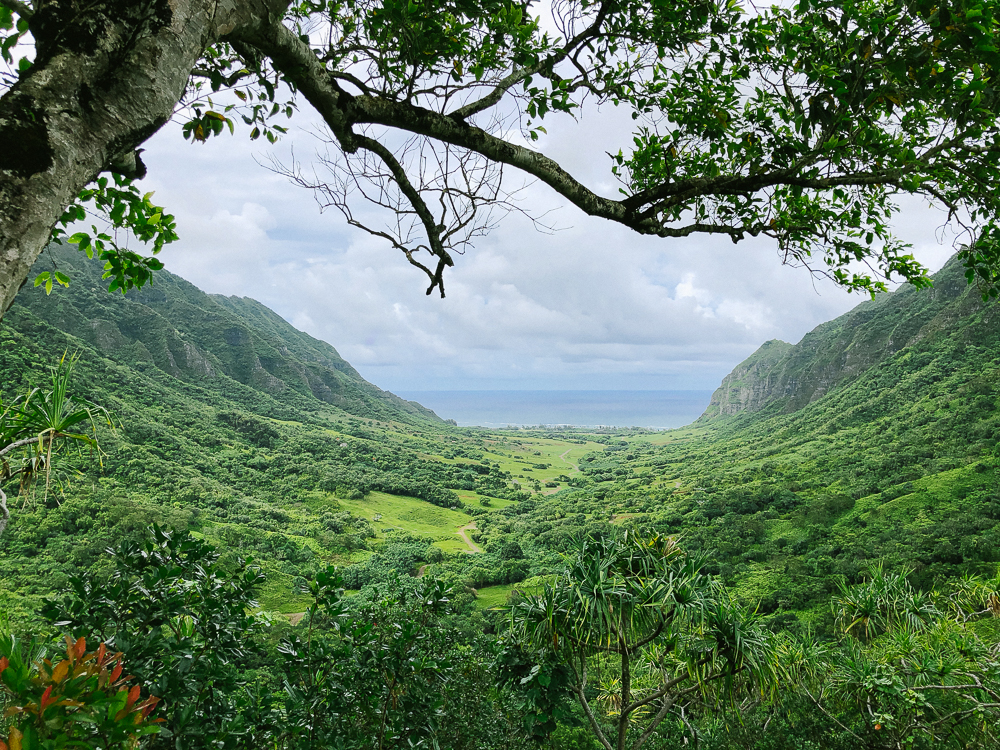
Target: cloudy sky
pixel 591 306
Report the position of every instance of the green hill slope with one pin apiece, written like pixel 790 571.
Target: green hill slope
pixel 206 339
pixel 232 424
pixel 784 377
pixel 874 440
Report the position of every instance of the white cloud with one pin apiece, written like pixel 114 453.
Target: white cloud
pixel 591 306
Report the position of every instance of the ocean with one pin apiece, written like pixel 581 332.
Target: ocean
pixel 653 409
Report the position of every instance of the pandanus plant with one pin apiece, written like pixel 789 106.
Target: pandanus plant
pixel 912 669
pixel 638 616
pixel 39 423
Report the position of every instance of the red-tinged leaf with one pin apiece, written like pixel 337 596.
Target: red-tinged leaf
pixel 101 651
pixel 148 705
pixel 117 672
pixel 61 670
pixel 3 665
pixel 80 648
pixel 3 745
pixel 47 698
pixel 133 696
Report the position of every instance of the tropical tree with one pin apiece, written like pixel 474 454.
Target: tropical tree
pixel 40 422
pixel 187 625
pixel 645 634
pixel 802 123
pixel 912 669
pixel 372 675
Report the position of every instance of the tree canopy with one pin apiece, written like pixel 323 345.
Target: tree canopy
pixel 806 124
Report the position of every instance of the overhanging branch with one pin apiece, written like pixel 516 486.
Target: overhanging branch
pixel 431 227
pixel 668 209
pixel 22 9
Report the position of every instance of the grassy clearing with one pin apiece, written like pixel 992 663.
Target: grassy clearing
pixel 276 595
pixel 471 499
pixel 522 455
pixel 673 436
pixel 493 596
pixel 409 514
pixel 496 596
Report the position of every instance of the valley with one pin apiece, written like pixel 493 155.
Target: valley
pixel 873 442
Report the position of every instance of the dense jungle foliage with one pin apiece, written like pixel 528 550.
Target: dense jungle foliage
pixel 290 557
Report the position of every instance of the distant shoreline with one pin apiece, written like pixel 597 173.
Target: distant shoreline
pixel 666 409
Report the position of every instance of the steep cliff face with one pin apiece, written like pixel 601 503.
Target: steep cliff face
pixel 748 387
pixel 203 339
pixel 781 377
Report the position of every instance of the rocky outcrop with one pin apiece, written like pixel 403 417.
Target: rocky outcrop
pixel 748 387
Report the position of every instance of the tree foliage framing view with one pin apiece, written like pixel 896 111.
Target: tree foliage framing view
pixel 806 124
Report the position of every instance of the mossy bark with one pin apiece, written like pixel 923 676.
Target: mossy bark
pixel 106 77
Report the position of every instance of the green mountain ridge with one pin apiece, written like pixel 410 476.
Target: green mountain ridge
pixel 231 423
pixel 788 377
pixel 197 337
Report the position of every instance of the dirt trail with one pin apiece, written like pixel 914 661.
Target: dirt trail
pixel 562 457
pixel 421 570
pixel 461 532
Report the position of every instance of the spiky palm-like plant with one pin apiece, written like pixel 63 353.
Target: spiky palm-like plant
pixel 913 669
pixel 641 609
pixel 38 423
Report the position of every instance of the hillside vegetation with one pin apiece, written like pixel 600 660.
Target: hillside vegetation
pixel 865 451
pixel 238 427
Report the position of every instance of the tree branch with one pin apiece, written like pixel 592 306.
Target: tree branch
pixel 22 9
pixel 658 693
pixel 662 690
pixel 503 86
pixel 409 117
pixel 587 710
pixel 432 228
pixel 18 444
pixel 626 691
pixel 652 636
pixel 494 97
pixel 655 722
pixel 4 513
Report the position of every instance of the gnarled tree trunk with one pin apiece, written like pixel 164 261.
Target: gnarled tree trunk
pixel 107 75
